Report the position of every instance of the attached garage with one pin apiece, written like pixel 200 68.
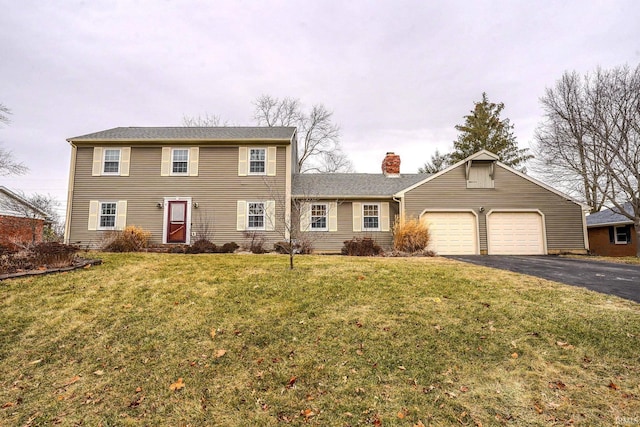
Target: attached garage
pixel 452 233
pixel 516 233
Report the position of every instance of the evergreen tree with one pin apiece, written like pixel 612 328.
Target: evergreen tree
pixel 439 161
pixel 483 129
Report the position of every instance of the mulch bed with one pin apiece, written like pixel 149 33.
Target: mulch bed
pixel 79 263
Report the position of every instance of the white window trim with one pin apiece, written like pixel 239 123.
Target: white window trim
pixel 615 235
pixel 266 160
pixel 104 161
pixel 379 217
pixel 115 215
pixel 171 172
pixel 264 216
pixel 326 216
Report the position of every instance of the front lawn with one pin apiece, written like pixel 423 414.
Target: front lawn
pixel 337 342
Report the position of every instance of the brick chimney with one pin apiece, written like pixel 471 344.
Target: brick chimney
pixel 391 165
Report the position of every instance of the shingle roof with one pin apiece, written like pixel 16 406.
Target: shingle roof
pixel 351 184
pixel 609 216
pixel 188 133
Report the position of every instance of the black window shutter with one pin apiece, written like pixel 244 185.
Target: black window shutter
pixel 612 232
pixel 627 230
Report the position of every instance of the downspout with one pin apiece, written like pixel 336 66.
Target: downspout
pixel 400 202
pixel 72 174
pixel 584 227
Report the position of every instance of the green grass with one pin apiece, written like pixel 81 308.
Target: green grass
pixel 618 260
pixel 336 342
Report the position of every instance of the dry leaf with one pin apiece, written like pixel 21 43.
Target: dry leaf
pixel 401 415
pixel 464 389
pixel 402 368
pixel 538 409
pixel 8 405
pixel 419 424
pixel 220 353
pixel 35 362
pixel 613 386
pixel 292 382
pixel 178 385
pixel 71 381
pixel 565 345
pixel 307 413
pixel 514 355
pixel 213 333
pixel 138 389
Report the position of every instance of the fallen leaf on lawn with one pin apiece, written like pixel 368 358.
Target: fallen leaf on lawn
pixel 177 385
pixel 138 389
pixel 127 306
pixel 136 402
pixel 613 386
pixel 292 382
pixel 220 353
pixel 8 405
pixel 514 355
pixel 35 362
pixel 403 413
pixel 307 413
pixel 464 389
pixel 538 409
pixel 213 333
pixel 71 381
pixel 359 352
pixel 402 368
pixel 419 424
pixel 99 372
pixel 564 345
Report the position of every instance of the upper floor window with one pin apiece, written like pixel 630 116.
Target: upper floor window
pixel 107 215
pixel 111 161
pixel 257 161
pixel 111 164
pixel 319 217
pixel 371 217
pixel 180 161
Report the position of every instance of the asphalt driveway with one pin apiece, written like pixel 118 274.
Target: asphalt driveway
pixel 614 279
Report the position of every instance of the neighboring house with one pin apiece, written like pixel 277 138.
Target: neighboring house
pixel 173 181
pixel 21 223
pixel 611 233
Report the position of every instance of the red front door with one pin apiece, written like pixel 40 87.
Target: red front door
pixel 177 222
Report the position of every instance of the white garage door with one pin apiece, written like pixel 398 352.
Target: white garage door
pixel 515 233
pixel 452 233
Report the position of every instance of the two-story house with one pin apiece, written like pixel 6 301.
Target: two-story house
pixel 172 181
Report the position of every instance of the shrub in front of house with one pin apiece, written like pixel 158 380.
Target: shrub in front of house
pixel 131 239
pixel 254 242
pixel 202 246
pixel 228 248
pixel 411 235
pixel 361 246
pixel 301 246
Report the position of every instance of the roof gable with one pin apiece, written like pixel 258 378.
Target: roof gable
pixel 122 134
pixel 485 155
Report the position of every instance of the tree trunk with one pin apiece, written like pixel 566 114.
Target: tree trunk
pixel 636 224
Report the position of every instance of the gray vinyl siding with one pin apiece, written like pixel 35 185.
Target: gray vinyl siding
pixel 563 218
pixel 332 241
pixel 216 189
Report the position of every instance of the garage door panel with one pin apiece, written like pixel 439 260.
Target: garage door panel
pixel 452 233
pixel 515 233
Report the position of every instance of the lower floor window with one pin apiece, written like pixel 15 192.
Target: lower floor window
pixel 371 217
pixel 622 235
pixel 107 215
pixel 319 217
pixel 256 215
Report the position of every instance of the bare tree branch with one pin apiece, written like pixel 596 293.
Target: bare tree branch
pixel 8 165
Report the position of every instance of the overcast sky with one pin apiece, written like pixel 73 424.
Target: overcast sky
pixel 398 75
